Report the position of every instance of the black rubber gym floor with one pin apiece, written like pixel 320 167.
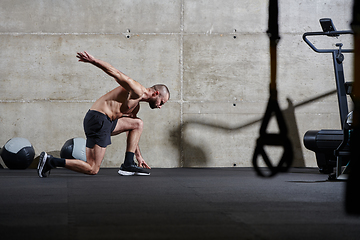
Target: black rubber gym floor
pixel 180 203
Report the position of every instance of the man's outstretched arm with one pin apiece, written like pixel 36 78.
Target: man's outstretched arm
pixel 126 82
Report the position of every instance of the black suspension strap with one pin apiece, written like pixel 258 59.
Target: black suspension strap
pixel 280 139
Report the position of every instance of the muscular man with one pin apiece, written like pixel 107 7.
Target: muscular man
pixel 111 114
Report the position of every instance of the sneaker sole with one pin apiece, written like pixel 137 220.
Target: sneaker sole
pixel 42 160
pixel 126 173
pixel 142 174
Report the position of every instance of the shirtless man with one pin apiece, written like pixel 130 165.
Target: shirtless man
pixel 110 115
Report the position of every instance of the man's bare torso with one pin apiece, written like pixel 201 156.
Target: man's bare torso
pixel 116 103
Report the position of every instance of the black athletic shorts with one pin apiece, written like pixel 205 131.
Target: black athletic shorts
pixel 98 128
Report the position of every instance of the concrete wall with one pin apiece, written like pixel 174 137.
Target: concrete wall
pixel 212 54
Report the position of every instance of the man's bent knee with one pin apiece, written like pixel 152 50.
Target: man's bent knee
pixel 139 124
pixel 94 171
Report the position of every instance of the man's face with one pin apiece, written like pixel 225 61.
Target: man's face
pixel 152 103
pixel 157 102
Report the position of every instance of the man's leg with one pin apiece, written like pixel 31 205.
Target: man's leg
pixel 133 127
pixel 94 157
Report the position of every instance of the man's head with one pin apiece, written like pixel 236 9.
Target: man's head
pixel 160 95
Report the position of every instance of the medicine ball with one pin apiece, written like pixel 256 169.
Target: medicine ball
pixel 74 148
pixel 17 153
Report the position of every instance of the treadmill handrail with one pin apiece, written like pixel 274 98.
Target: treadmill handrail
pixel 330 34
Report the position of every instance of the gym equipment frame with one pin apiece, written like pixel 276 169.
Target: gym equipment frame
pixel 331 146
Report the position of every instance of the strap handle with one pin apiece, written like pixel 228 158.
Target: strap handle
pixel 266 139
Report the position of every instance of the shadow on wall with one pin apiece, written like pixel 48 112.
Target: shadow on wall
pixel 187 149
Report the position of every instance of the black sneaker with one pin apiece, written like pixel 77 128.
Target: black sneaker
pixel 43 167
pixel 132 170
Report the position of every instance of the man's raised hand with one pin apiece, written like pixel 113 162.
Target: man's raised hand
pixel 85 57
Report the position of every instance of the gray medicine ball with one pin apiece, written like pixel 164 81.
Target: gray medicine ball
pixel 74 148
pixel 17 153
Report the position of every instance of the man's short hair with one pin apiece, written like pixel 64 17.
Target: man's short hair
pixel 163 89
